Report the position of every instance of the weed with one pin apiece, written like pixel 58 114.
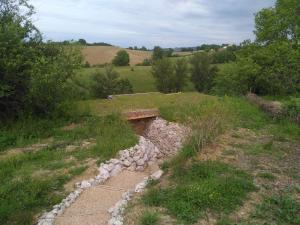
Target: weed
pixel 268 176
pixel 149 218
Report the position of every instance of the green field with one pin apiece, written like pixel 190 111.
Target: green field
pixel 140 78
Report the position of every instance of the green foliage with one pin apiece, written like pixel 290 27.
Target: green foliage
pixel 149 218
pixel 273 60
pixel 34 76
pixel 110 83
pixel 82 41
pixel 236 78
pixel 199 187
pixel 121 59
pixel 170 77
pixel 224 55
pixel 146 62
pixel 292 109
pixel 279 209
pixel 280 23
pixel 51 79
pixel 158 53
pixel 202 72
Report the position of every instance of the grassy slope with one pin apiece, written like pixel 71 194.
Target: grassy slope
pixel 36 179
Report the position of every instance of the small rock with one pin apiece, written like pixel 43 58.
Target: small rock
pixel 116 170
pixel 126 163
pixel 85 184
pixel 140 162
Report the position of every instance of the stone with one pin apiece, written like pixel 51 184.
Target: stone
pixel 140 168
pixel 116 170
pixel 126 163
pixel 140 162
pixel 85 184
pixel 157 175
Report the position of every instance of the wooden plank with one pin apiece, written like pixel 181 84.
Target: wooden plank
pixel 141 114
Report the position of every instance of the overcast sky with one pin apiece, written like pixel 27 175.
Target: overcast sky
pixel 168 23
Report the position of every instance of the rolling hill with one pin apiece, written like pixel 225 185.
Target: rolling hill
pixel 104 54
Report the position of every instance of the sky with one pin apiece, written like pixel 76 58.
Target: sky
pixel 167 23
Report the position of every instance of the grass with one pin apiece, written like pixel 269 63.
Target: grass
pixel 149 218
pixel 266 175
pixel 139 76
pixel 278 209
pixel 200 187
pixel 34 180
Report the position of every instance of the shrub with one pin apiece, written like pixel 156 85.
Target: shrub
pixel 110 83
pixel 292 109
pixel 121 59
pixel 236 78
pixel 202 72
pixel 146 62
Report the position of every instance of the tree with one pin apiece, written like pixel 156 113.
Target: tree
pixel 158 53
pixel 169 77
pixel 82 42
pixel 202 72
pixel 270 65
pixel 181 73
pixel 121 59
pixel 163 72
pixel 18 36
pixel 109 83
pixel 34 76
pixel 279 23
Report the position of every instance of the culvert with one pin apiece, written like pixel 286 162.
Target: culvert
pixel 141 119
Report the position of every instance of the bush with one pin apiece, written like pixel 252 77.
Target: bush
pixel 146 62
pixel 169 77
pixel 110 83
pixel 121 59
pixel 236 78
pixel 202 72
pixel 292 109
pixel 34 76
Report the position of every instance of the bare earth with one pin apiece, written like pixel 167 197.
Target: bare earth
pixel 105 54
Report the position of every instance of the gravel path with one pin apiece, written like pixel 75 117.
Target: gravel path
pixel 101 200
pixel 91 208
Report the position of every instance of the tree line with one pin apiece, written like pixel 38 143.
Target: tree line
pixel 267 66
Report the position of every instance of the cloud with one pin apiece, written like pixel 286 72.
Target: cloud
pixel 168 23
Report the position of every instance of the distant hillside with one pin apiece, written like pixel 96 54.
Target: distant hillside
pixel 104 54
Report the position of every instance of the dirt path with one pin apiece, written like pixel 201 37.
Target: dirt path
pixel 91 208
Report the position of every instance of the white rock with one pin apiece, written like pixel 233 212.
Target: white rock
pixel 127 163
pixel 85 184
pixel 157 175
pixel 140 162
pixel 116 170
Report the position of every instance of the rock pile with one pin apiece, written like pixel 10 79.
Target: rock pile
pixel 166 136
pixel 162 139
